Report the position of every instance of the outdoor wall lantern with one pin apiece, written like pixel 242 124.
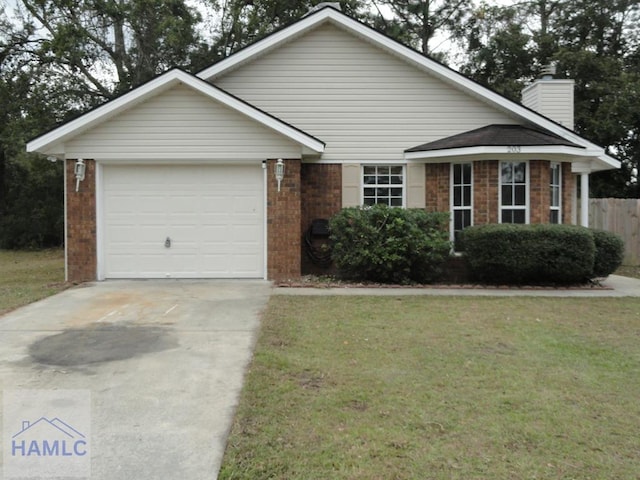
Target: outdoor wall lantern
pixel 279 171
pixel 78 171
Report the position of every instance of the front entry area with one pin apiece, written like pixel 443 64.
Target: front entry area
pixel 181 221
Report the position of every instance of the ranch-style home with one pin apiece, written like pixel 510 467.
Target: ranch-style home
pixel 220 174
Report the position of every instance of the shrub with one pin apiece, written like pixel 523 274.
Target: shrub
pixel 609 253
pixel 529 254
pixel 389 245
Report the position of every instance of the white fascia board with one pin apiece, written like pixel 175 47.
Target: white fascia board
pixel 57 137
pixel 417 59
pixel 547 152
pixel 529 151
pixel 104 112
pixel 270 42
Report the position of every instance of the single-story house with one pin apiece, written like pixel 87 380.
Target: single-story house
pixel 177 178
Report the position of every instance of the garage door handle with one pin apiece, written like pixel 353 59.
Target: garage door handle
pixel 167 243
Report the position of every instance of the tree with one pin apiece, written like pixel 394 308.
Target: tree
pixel 58 58
pixel 594 42
pixel 114 45
pixel 416 22
pixel 31 100
pixel 243 22
pixel 496 42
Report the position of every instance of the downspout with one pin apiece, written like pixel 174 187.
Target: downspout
pixel 66 235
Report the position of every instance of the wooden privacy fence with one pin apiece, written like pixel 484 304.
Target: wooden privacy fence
pixel 621 216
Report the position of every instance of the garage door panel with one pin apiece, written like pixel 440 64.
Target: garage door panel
pixel 214 216
pixel 143 235
pixel 148 265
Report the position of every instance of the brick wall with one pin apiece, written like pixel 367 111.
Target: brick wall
pixel 539 191
pixel 81 224
pixel 437 187
pixel 485 192
pixel 567 193
pixel 321 190
pixel 283 222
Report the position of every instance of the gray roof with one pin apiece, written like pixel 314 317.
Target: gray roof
pixel 497 136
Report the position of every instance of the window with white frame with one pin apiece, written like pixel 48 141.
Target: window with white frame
pixel 461 197
pixel 555 187
pixel 383 184
pixel 514 192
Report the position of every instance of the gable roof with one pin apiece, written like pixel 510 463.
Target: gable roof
pixel 597 157
pixel 52 143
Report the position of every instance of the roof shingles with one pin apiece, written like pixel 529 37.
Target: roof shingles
pixel 495 136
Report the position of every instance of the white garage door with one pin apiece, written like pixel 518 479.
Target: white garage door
pixel 193 221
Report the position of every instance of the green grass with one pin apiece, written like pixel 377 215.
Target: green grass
pixel 441 388
pixel 27 276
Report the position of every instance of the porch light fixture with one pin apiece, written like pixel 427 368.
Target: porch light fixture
pixel 279 171
pixel 79 171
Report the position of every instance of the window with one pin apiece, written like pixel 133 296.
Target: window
pixel 383 184
pixel 461 197
pixel 555 186
pixel 513 192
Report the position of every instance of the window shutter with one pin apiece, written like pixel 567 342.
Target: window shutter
pixel 415 182
pixel 351 184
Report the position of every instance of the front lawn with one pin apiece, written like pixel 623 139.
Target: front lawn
pixel 27 276
pixel 441 388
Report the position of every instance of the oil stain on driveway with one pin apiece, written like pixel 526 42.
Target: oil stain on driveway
pixel 163 361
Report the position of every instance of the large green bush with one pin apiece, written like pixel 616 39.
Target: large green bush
pixel 389 245
pixel 609 252
pixel 530 254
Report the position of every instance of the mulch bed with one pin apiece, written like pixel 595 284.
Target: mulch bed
pixel 313 281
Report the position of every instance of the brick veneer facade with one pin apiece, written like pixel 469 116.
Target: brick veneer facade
pixel 81 224
pixel 567 192
pixel 486 182
pixel 321 188
pixel 485 192
pixel 437 187
pixel 307 192
pixel 283 222
pixel 539 191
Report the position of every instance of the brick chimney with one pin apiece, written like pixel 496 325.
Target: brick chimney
pixel 551 97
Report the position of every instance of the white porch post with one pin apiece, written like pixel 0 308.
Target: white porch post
pixel 584 199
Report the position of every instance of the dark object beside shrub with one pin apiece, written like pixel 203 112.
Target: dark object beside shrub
pixel 529 254
pixel 389 245
pixel 609 253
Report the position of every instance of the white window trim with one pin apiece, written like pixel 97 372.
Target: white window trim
pixel 403 186
pixel 452 207
pixel 527 206
pixel 558 208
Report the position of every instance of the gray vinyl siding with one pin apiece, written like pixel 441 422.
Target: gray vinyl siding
pixel 181 124
pixel 365 103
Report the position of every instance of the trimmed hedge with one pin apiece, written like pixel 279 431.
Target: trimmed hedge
pixel 530 254
pixel 389 245
pixel 609 252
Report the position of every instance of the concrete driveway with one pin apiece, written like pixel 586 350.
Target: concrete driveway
pixel 163 362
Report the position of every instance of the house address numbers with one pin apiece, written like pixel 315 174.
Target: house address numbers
pixel 514 149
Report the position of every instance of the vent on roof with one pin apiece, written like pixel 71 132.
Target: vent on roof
pixel 548 71
pixel 322 5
